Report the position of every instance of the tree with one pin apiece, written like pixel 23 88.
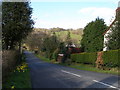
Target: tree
pixel 50 44
pixel 68 39
pixel 0 26
pixel 16 23
pixel 57 29
pixel 114 39
pixel 92 39
pixel 35 40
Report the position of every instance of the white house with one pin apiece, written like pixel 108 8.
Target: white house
pixel 106 33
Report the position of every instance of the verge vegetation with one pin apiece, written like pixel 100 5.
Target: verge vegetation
pixel 19 77
pixel 83 66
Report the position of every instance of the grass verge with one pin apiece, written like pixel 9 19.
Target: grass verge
pixel 45 59
pixel 79 66
pixel 91 68
pixel 19 78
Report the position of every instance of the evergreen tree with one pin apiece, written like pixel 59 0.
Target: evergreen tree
pixel 16 23
pixel 114 37
pixel 68 39
pixel 50 44
pixel 92 39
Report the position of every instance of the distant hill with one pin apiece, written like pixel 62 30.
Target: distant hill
pixel 76 35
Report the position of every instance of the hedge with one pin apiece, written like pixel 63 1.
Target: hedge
pixel 110 58
pixel 84 58
pixel 9 61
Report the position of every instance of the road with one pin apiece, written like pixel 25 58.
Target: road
pixel 47 75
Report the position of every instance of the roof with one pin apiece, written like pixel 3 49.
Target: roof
pixel 73 45
pixel 61 54
pixel 118 9
pixel 109 27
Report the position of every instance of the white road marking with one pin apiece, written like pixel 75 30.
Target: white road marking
pixel 105 84
pixel 93 80
pixel 71 73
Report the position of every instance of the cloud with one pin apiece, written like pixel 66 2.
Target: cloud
pixel 46 15
pixel 91 13
pixel 50 14
pixel 86 15
pixel 63 23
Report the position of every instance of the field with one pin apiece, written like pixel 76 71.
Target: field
pixel 76 36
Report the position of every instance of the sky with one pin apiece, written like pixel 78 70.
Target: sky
pixel 71 14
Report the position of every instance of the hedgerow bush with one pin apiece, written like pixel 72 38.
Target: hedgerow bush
pixel 85 58
pixel 110 58
pixel 9 61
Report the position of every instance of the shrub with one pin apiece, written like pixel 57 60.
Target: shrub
pixel 110 58
pixel 55 54
pixel 85 58
pixel 9 60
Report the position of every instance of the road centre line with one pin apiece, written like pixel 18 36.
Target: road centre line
pixel 93 80
pixel 71 73
pixel 105 84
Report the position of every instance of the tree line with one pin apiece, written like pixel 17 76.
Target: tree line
pixel 48 43
pixel 93 37
pixel 16 23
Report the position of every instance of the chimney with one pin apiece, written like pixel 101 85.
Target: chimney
pixel 118 11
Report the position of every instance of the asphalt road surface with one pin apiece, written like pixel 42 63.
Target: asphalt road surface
pixel 47 75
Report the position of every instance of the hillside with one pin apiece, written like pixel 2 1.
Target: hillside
pixel 76 35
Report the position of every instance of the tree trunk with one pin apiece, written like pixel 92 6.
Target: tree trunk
pixel 20 52
pixel 11 45
pixel 20 47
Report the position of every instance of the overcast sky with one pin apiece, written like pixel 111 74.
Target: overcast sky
pixel 71 14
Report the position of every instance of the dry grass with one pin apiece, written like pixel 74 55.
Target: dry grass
pixel 9 59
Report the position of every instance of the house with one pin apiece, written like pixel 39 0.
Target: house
pixel 73 49
pixel 106 33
